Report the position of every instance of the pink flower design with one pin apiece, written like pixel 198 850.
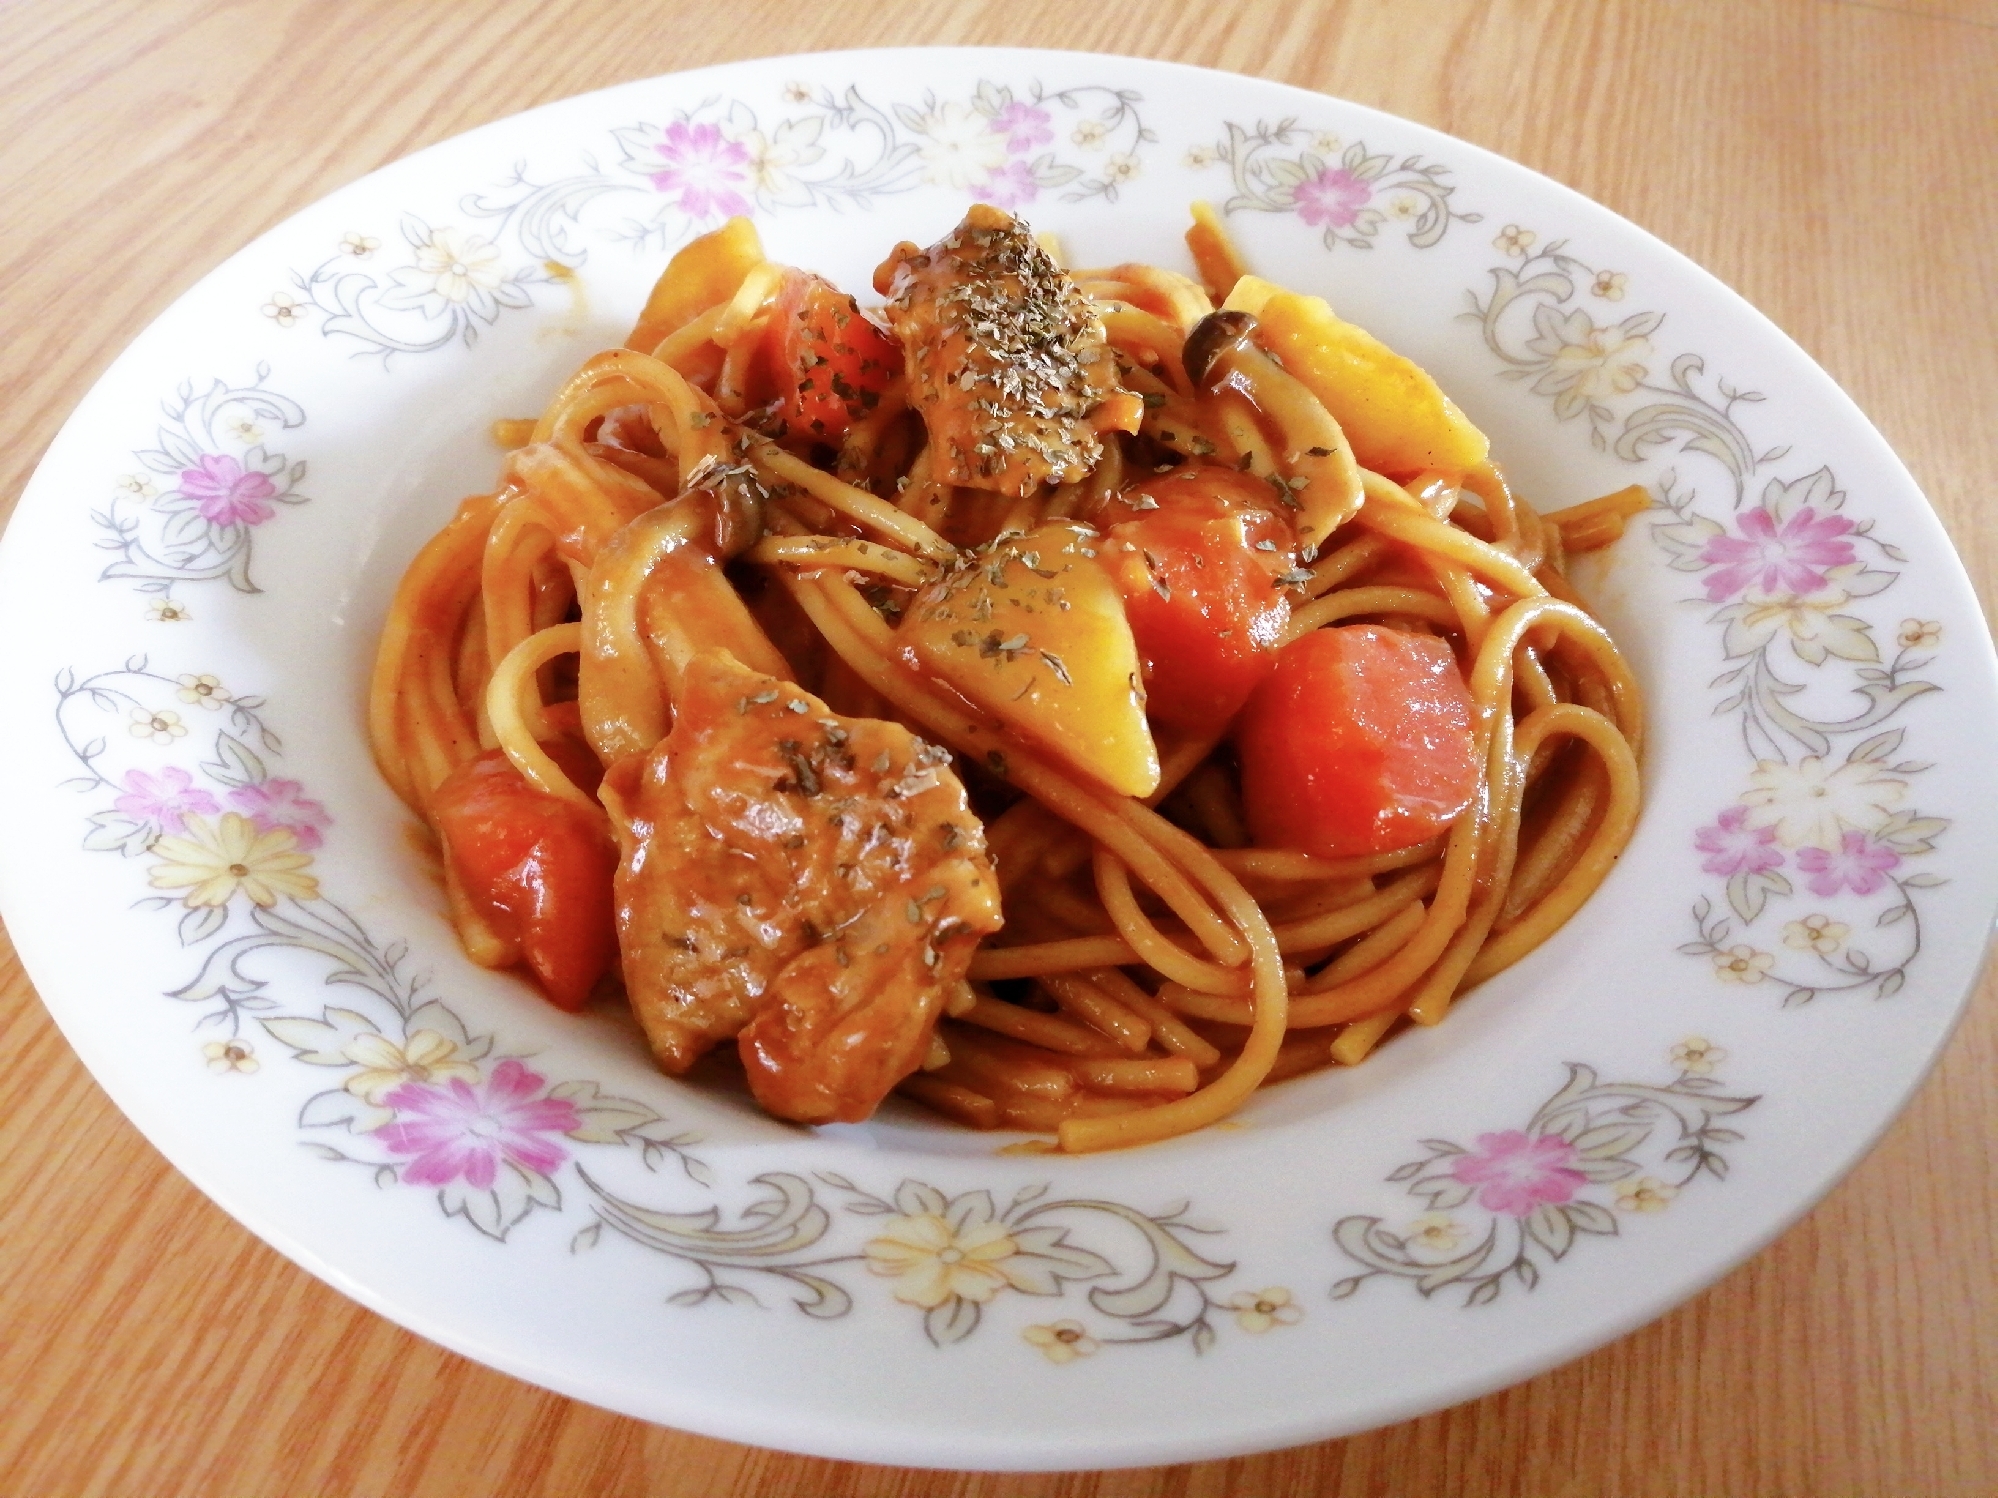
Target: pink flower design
pixel 701 167
pixel 1858 864
pixel 1024 127
pixel 1010 186
pixel 1792 560
pixel 167 798
pixel 466 1132
pixel 1735 848
pixel 278 803
pixel 225 494
pixel 1520 1171
pixel 1333 197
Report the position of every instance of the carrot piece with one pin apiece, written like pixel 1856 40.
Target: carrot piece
pixel 535 868
pixel 1359 742
pixel 829 363
pixel 1197 561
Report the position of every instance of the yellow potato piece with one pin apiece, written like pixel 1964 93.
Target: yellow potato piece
pixel 706 272
pixel 1396 417
pixel 1032 630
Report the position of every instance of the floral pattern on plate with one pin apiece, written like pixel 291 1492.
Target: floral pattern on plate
pixel 1593 1150
pixel 180 769
pixel 949 1257
pixel 208 482
pixel 1820 836
pixel 228 1095
pixel 1347 191
pixel 817 147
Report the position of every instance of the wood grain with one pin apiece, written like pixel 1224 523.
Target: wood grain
pixel 1832 159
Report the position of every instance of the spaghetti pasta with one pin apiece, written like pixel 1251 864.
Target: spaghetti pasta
pixel 1181 619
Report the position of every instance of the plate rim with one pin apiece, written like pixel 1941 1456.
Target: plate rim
pixel 36 943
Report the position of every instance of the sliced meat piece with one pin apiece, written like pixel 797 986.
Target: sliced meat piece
pixel 811 884
pixel 1007 358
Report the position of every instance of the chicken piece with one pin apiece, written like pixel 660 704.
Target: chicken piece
pixel 1008 361
pixel 810 885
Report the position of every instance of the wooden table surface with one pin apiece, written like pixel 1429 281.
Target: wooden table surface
pixel 1835 160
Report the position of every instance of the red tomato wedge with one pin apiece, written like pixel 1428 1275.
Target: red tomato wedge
pixel 1359 742
pixel 831 364
pixel 536 867
pixel 1197 563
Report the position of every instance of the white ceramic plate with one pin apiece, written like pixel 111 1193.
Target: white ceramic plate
pixel 194 581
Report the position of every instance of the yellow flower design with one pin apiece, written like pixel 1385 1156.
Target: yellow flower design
pixel 1610 284
pixel 1259 1310
pixel 1088 133
pixel 1586 362
pixel 1325 143
pixel 767 160
pixel 203 691
pixel 246 431
pixel 773 157
pixel 458 264
pixel 360 246
pixel 1435 1232
pixel 138 486
pixel 1514 241
pixel 797 93
pixel 1061 1341
pixel 933 1261
pixel 1197 157
pixel 215 861
pixel 230 1055
pixel 1814 623
pixel 166 611
pixel 282 310
pixel 1920 634
pixel 1644 1194
pixel 161 727
pixel 1698 1055
pixel 1403 205
pixel 1120 168
pixel 1742 964
pixel 385 1066
pixel 1816 933
pixel 1813 802
pixel 959 146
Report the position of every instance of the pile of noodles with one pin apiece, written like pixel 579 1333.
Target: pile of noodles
pixel 1155 969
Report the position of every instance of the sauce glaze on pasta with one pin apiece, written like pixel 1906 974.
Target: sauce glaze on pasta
pixel 1084 700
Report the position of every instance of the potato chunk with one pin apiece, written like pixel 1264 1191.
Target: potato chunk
pixel 1032 629
pixel 1397 418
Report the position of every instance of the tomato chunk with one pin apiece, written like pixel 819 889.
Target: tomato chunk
pixel 1359 742
pixel 537 868
pixel 831 364
pixel 1197 563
